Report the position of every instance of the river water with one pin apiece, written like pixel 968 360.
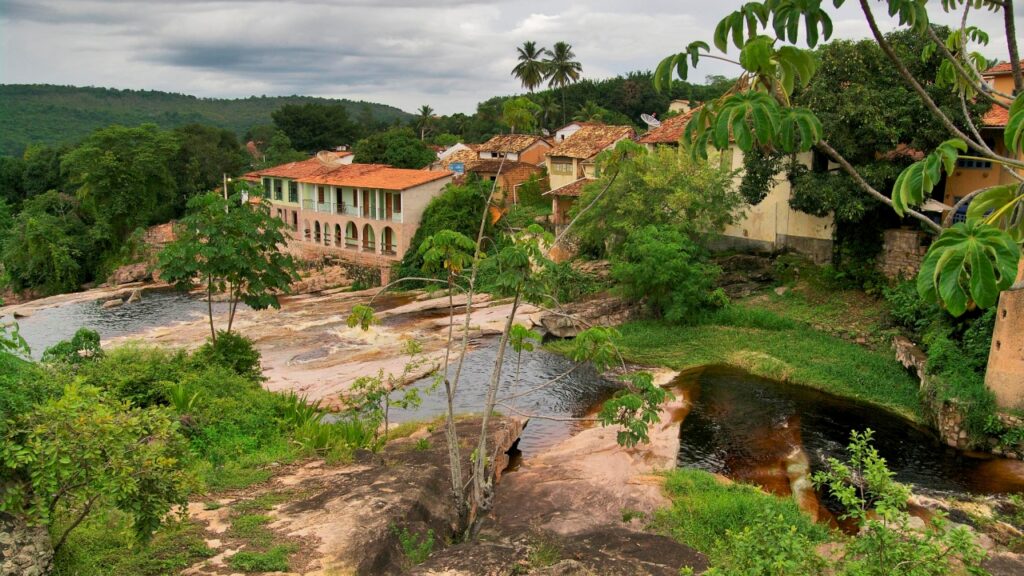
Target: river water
pixel 48 326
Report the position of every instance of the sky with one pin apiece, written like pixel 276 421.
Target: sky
pixel 449 54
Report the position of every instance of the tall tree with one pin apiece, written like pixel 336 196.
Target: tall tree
pixel 562 70
pixel 520 113
pixel 549 111
pixel 205 155
pixel 531 69
pixel 424 120
pixel 398 147
pixel 233 247
pixel 313 127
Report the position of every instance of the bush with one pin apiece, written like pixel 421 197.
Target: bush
pixel 667 271
pixel 459 208
pixel 84 346
pixel 909 310
pixel 23 385
pixel 232 350
pixel 769 547
pixel 137 374
pixel 569 284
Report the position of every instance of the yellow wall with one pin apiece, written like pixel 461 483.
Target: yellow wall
pixel 558 180
pixel 773 221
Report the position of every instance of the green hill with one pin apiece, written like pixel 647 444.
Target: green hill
pixel 48 114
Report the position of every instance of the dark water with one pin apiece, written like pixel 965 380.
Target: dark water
pixel 743 427
pixel 49 326
pixel 572 396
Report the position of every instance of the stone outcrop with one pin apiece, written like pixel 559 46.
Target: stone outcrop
pixel 573 318
pixel 24 550
pixel 138 272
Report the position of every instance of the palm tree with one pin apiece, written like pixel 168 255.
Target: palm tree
pixel 590 112
pixel 530 70
pixel 549 109
pixel 424 120
pixel 562 69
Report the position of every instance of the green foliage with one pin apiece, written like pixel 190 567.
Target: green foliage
pixel 315 126
pixel 23 384
pixel 666 270
pixel 520 114
pixel 909 310
pixel 232 247
pixel 205 154
pixel 47 114
pixel 704 510
pixel 531 193
pixel 416 547
pixel 233 351
pixel 83 347
pixel 135 374
pixel 83 449
pixel 531 69
pixel 968 266
pixel 596 345
pixel 569 284
pixel 769 546
pixel 273 560
pixel 48 245
pixel 459 208
pixel 398 147
pixel 634 409
pixel 887 545
pixel 914 185
pixel 760 167
pixel 695 198
pixel 362 316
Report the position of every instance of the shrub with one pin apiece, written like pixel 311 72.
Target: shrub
pixel 569 284
pixel 137 374
pixel 232 350
pixel 417 548
pixel 666 270
pixel 23 384
pixel 84 346
pixel 769 547
pixel 909 310
pixel 459 208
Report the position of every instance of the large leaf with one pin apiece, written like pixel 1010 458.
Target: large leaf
pixel 968 266
pixel 787 15
pixel 916 182
pixel 746 21
pixel 1014 134
pixel 679 64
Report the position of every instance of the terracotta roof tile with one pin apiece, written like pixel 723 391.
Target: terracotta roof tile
pixel 996 117
pixel 464 156
pixel 292 170
pixel 670 131
pixel 573 189
pixel 591 139
pixel 375 176
pixel 509 143
pixel 1000 69
pixel 492 165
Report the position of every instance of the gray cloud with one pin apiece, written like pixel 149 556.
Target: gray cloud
pixel 450 54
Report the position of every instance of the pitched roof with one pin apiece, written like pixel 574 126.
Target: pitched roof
pixel 591 139
pixel 996 117
pixel 573 189
pixel 670 131
pixel 293 170
pixel 376 176
pixel 492 165
pixel 509 143
pixel 1000 69
pixel 464 156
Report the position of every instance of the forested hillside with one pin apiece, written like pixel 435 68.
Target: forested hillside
pixel 47 114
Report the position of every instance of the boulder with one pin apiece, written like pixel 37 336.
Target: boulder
pixel 136 296
pixel 578 316
pixel 112 303
pixel 138 272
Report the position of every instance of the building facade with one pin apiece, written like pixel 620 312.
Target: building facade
pixel 571 163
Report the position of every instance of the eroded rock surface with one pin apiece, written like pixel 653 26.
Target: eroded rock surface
pixel 573 318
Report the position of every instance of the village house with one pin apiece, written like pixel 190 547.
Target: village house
pixel 369 212
pixel 971 175
pixel 772 224
pixel 507 159
pixel 571 164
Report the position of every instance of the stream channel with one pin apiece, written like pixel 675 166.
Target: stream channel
pixel 739 425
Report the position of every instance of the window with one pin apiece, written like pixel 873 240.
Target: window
pixel 293 191
pixel 965 163
pixel 278 195
pixel 266 188
pixel 396 203
pixel 561 167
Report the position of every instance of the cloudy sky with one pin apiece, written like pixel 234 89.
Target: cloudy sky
pixel 449 54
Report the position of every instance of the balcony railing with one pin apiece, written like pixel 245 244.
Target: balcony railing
pixel 348 210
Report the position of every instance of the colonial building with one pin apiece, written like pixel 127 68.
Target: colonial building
pixel 369 211
pixel 506 159
pixel 770 225
pixel 571 163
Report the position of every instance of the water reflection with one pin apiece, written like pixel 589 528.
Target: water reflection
pixel 745 427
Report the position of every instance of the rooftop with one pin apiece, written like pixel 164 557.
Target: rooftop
pixel 670 131
pixel 591 139
pixel 493 164
pixel 1000 69
pixel 375 176
pixel 509 143
pixel 573 189
pixel 996 117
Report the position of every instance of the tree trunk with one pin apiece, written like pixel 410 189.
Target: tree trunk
pixel 209 308
pixel 1011 41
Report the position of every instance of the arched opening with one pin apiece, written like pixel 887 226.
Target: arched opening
pixel 327 234
pixel 387 241
pixel 351 235
pixel 305 231
pixel 368 238
pixel 295 220
pixel 316 231
pixel 337 234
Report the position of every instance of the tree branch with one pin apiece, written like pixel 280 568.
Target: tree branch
pixel 849 169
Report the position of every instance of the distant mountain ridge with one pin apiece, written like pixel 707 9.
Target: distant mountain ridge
pixel 51 114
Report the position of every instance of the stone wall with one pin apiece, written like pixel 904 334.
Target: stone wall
pixel 24 550
pixel 902 253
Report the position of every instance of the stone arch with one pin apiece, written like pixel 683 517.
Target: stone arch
pixel 316 231
pixel 387 241
pixel 369 243
pixel 337 234
pixel 351 235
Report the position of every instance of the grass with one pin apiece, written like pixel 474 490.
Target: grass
pixel 105 546
pixel 273 560
pixel 704 508
pixel 773 345
pixel 543 552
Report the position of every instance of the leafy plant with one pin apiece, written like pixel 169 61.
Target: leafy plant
pixel 416 547
pixel 234 351
pixel 634 409
pixel 83 347
pixel 273 560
